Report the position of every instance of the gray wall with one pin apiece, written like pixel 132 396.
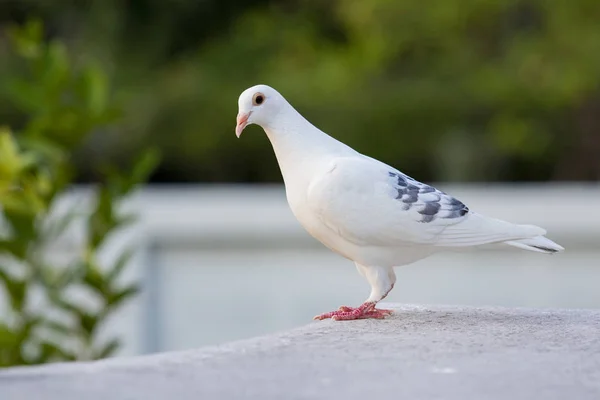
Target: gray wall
pixel 226 263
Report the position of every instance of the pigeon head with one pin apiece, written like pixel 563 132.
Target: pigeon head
pixel 258 105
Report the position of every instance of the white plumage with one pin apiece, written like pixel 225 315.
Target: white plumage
pixel 365 210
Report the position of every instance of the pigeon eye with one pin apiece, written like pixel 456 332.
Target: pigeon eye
pixel 258 99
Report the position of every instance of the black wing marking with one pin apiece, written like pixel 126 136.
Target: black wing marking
pixel 429 202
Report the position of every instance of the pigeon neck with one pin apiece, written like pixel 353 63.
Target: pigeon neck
pixel 299 145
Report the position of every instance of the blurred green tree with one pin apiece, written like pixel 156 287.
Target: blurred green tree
pixel 64 104
pixel 451 90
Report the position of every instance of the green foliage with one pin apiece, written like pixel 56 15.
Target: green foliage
pixel 456 89
pixel 64 103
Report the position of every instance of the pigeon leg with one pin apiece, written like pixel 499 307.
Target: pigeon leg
pixel 382 281
pixel 366 310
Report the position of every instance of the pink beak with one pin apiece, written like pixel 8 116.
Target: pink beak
pixel 242 121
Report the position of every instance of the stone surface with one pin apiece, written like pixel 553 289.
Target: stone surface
pixel 419 353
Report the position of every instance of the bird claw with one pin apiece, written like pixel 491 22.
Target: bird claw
pixel 365 311
pixel 376 310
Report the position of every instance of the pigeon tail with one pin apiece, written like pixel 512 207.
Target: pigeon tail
pixel 539 244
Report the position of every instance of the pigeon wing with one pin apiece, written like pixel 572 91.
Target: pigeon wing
pixel 372 204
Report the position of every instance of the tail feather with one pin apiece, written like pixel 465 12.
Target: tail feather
pixel 478 229
pixel 540 244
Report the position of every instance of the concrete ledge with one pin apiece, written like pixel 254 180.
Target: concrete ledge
pixel 420 353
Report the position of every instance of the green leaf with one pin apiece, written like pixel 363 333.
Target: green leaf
pixel 119 265
pixel 145 165
pixel 27 40
pixel 57 327
pixel 4 276
pixel 52 352
pixel 65 305
pixel 8 338
pixel 57 280
pixel 15 288
pixel 124 220
pixel 23 227
pixel 10 352
pixel 102 219
pixel 10 158
pixel 94 278
pixel 110 115
pixel 108 349
pixel 117 298
pixel 94 83
pixel 44 149
pixel 22 202
pixel 55 74
pixel 16 248
pixel 85 320
pixel 56 228
pixel 24 94
pixel 28 325
pixel 88 322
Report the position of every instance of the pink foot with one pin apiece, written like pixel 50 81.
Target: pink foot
pixel 365 311
pixel 375 310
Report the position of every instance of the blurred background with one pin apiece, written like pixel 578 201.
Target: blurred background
pixel 133 221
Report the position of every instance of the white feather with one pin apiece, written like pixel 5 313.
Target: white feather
pixel 364 209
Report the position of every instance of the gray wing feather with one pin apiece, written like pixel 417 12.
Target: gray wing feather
pixel 429 202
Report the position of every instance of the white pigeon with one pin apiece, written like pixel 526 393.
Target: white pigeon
pixel 365 210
